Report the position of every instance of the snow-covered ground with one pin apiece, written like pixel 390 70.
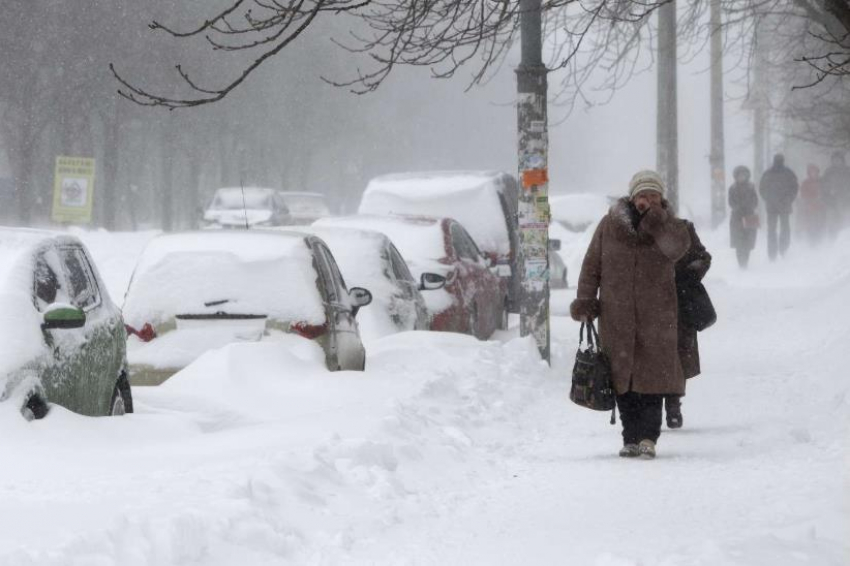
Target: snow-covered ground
pixel 452 451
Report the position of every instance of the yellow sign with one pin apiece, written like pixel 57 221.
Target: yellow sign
pixel 73 189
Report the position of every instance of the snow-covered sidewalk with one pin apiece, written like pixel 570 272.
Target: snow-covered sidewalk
pixel 452 451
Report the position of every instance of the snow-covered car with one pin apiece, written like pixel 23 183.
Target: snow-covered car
pixel 249 207
pixel 473 300
pixel 198 291
pixel 577 211
pixel 371 259
pixel 63 338
pixel 484 202
pixel 305 208
pixel 557 267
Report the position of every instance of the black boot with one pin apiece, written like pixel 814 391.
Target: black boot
pixel 674 412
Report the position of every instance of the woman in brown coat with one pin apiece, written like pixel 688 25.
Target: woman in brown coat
pixel 630 264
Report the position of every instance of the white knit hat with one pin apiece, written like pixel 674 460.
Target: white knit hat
pixel 646 180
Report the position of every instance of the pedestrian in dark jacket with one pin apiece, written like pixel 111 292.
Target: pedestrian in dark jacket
pixel 778 189
pixel 743 220
pixel 690 270
pixel 835 192
pixel 628 280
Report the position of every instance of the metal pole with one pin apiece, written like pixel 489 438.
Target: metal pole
pixel 759 115
pixel 533 204
pixel 717 157
pixel 667 148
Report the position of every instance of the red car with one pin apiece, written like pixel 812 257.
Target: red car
pixel 473 300
pixel 485 202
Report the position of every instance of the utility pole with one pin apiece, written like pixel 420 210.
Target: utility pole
pixel 717 157
pixel 759 111
pixel 533 203
pixel 667 142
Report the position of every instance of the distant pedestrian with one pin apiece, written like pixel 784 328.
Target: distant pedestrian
pixel 690 270
pixel 778 189
pixel 811 212
pixel 835 193
pixel 743 220
pixel 630 265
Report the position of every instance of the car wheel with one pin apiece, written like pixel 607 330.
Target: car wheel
pixel 122 398
pixel 35 408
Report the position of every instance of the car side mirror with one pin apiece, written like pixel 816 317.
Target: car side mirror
pixel 59 315
pixel 431 282
pixel 555 245
pixel 359 297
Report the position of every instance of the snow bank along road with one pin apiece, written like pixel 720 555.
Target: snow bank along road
pixel 452 451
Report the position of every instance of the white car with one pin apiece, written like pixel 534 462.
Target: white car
pixel 468 294
pixel 198 291
pixel 248 207
pixel 305 208
pixel 371 259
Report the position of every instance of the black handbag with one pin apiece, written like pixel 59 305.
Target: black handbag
pixel 592 385
pixel 695 307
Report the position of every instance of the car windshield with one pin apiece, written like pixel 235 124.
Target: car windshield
pixel 306 204
pixel 232 199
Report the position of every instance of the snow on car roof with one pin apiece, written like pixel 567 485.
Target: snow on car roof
pixel 577 211
pixel 358 254
pixel 246 272
pixel 470 197
pixel 232 197
pixel 418 238
pixel 301 194
pixel 17 246
pixel 305 203
pixel 362 258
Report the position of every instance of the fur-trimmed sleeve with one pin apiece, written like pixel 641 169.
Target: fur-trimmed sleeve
pixel 586 304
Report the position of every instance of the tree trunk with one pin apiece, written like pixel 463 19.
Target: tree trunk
pixel 717 158
pixel 109 192
pixel 667 116
pixel 193 205
pixel 167 174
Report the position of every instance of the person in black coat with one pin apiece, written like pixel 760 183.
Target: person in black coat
pixel 690 270
pixel 778 189
pixel 743 221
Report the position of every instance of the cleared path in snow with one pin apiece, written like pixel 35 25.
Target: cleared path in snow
pixel 450 451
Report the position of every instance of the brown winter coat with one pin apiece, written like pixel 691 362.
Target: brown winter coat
pixel 692 267
pixel 633 272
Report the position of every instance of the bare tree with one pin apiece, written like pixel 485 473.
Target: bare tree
pixel 443 35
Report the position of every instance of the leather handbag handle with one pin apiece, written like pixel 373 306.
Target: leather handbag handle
pixel 591 335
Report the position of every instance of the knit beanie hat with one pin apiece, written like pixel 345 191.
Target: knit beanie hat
pixel 646 180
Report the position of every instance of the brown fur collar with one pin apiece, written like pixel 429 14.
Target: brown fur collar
pixel 622 214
